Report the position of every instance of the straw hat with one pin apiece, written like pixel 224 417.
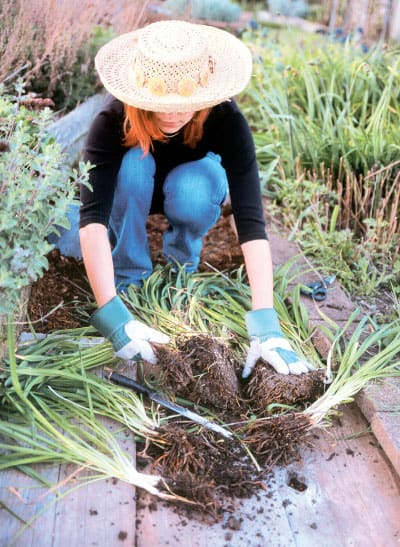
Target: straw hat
pixel 174 66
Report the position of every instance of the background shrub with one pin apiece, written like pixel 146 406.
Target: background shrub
pixel 36 189
pixel 294 8
pixel 223 10
pixel 52 44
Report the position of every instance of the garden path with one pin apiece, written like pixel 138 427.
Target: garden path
pixel 342 492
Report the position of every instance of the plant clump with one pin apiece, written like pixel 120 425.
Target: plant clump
pixel 204 467
pixel 36 189
pixel 52 45
pixel 203 370
pixel 276 440
pixel 267 388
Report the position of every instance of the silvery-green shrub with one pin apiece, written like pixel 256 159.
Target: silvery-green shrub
pixel 221 10
pixel 296 8
pixel 36 188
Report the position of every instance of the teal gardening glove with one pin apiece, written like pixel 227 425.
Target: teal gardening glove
pixel 267 343
pixel 130 338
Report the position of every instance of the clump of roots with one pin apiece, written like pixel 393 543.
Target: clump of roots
pixel 276 440
pixel 264 415
pixel 200 466
pixel 267 387
pixel 202 370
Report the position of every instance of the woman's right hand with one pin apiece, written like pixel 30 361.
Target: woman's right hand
pixel 130 338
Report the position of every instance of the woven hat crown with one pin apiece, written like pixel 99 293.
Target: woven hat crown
pixel 172 55
pixel 174 66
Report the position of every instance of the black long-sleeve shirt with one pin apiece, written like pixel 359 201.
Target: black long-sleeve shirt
pixel 226 133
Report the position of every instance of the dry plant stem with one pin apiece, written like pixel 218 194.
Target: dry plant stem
pixel 373 196
pixel 58 31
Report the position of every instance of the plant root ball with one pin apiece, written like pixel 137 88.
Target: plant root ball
pixel 202 370
pixel 267 386
pixel 276 440
pixel 202 467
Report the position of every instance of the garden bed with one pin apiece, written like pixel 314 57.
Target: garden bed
pixel 57 296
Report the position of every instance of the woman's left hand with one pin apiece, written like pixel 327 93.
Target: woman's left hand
pixel 268 343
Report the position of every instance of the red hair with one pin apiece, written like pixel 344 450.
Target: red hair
pixel 140 128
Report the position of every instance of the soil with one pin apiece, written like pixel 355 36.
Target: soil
pixel 57 298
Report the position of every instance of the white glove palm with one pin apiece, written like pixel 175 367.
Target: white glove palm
pixel 140 335
pixel 278 353
pixel 267 343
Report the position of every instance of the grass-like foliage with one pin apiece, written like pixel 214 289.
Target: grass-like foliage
pixel 325 121
pixel 325 103
pixel 212 302
pixel 39 420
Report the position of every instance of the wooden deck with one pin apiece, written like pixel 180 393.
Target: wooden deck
pixel 351 497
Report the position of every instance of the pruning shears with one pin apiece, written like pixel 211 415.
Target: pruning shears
pixel 319 289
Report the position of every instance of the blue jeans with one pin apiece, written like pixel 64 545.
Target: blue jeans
pixel 193 194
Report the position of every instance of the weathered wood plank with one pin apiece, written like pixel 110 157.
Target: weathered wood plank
pixel 351 496
pixel 99 513
pixel 353 492
pixel 28 500
pixel 255 522
pixel 102 513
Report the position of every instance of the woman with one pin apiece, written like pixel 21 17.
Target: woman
pixel 171 140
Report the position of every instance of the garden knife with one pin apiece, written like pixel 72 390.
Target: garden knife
pixel 158 398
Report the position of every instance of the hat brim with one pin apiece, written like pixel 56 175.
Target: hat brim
pixel 232 73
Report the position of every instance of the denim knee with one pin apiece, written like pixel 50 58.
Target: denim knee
pixel 127 227
pixel 136 172
pixel 134 188
pixel 194 192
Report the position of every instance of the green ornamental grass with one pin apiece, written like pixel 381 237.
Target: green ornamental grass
pixel 325 121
